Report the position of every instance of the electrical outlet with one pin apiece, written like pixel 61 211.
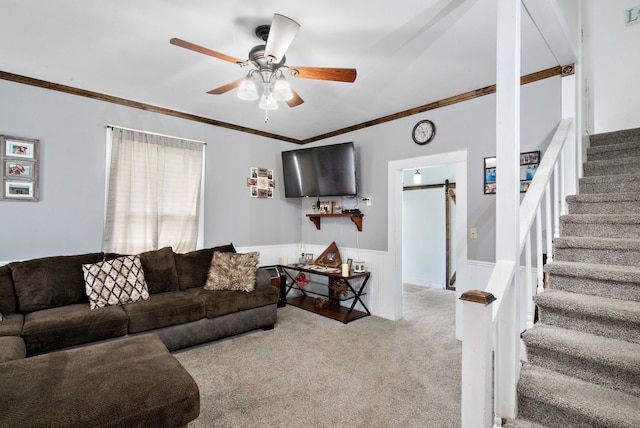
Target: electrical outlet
pixel 473 233
pixel 367 201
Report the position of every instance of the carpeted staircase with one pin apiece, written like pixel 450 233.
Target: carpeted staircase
pixel 583 355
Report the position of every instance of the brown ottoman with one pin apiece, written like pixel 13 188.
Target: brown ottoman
pixel 129 382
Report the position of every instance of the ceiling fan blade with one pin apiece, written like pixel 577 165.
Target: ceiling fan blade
pixel 226 88
pixel 295 100
pixel 281 34
pixel 323 73
pixel 200 49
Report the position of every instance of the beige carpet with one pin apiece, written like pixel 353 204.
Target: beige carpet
pixel 314 371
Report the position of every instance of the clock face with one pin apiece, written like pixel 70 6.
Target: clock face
pixel 423 132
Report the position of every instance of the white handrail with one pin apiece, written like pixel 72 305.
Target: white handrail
pixel 506 303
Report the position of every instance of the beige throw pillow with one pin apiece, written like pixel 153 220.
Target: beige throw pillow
pixel 231 271
pixel 115 282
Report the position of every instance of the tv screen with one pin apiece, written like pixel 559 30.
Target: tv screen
pixel 320 171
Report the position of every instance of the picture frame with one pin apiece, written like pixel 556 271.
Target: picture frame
pixel 529 162
pixel 261 183
pixel 308 258
pixel 14 189
pixel 326 207
pixel 19 168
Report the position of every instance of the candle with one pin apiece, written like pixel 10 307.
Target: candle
pixel 345 269
pixel 285 260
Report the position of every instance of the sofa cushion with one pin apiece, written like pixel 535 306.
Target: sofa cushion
pixel 233 271
pixel 162 310
pixel 7 293
pixel 115 282
pixel 225 302
pixel 51 281
pixel 12 348
pixel 72 325
pixel 160 270
pixel 193 267
pixel 12 325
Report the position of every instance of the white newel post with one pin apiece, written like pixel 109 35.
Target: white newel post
pixel 477 345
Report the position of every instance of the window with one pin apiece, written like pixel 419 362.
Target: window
pixel 154 187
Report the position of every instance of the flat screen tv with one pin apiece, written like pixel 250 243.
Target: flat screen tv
pixel 320 171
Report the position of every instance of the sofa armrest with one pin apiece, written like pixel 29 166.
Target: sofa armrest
pixel 12 348
pixel 263 278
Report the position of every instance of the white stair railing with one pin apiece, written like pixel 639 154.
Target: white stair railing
pixel 490 353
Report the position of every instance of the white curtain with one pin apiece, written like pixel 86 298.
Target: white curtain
pixel 153 192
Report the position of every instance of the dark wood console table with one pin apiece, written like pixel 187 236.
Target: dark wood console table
pixel 325 298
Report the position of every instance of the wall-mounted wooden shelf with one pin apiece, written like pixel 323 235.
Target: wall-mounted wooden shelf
pixel 355 218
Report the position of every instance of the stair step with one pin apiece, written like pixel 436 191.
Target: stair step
pixel 627 165
pixel 558 401
pixel 607 251
pixel 614 137
pixel 604 203
pixel 522 423
pixel 613 318
pixel 601 226
pixel 616 282
pixel 611 363
pixel 610 183
pixel 614 151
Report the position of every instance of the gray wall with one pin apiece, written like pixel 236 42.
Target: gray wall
pixel 465 126
pixel 68 219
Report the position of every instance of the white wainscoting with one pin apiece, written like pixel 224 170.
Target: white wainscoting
pixel 481 272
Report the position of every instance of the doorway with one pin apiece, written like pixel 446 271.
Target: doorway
pixel 393 293
pixel 428 227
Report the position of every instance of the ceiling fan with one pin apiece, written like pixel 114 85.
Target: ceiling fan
pixel 268 61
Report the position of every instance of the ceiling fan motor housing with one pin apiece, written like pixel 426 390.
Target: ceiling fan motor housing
pixel 257 58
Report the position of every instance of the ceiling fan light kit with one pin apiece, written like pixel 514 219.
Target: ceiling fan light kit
pixel 269 62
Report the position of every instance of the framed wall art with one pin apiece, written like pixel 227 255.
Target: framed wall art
pixel 529 162
pixel 261 183
pixel 19 165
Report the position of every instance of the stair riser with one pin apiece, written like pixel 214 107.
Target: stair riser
pixel 623 153
pixel 596 169
pixel 590 371
pixel 593 287
pixel 588 323
pixel 551 416
pixel 622 257
pixel 600 230
pixel 626 207
pixel 609 186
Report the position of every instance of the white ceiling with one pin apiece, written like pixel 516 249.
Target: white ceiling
pixel 407 52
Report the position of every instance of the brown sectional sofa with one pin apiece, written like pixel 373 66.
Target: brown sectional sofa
pixel 44 302
pixel 46 309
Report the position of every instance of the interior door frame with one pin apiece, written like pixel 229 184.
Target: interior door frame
pixel 393 275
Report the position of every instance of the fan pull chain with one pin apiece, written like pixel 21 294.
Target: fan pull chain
pixel 266 116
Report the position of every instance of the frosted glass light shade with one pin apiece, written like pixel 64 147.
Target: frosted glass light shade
pixel 267 102
pixel 417 177
pixel 282 90
pixel 247 90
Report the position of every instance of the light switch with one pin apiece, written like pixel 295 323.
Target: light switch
pixel 473 233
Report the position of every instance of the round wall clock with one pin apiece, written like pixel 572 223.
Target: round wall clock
pixel 423 132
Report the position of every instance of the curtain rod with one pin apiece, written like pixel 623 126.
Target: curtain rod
pixel 154 133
